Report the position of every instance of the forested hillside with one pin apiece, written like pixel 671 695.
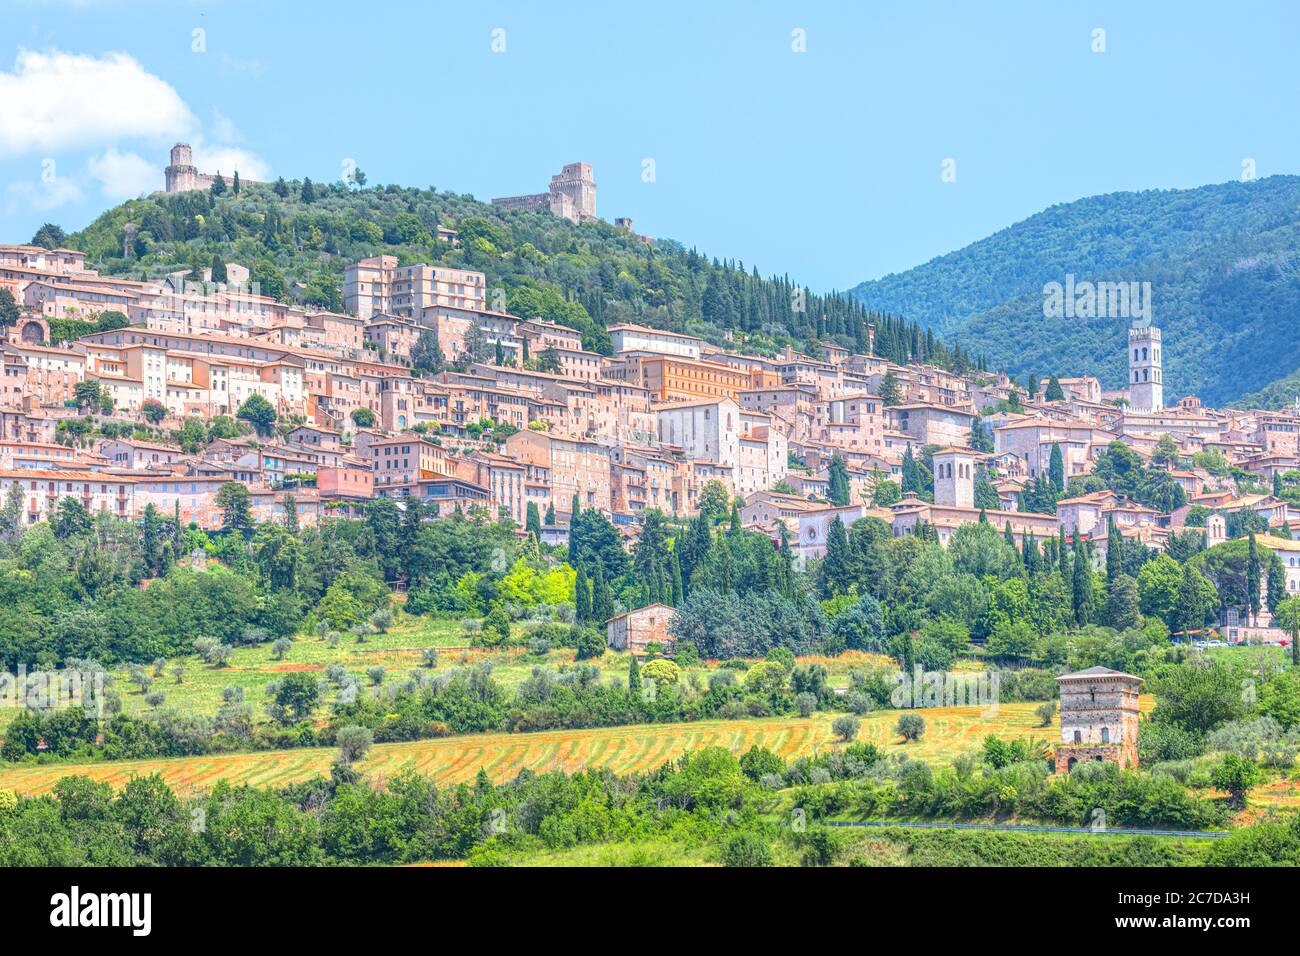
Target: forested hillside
pixel 1222 262
pixel 298 236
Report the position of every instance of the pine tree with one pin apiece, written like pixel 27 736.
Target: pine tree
pixel 890 394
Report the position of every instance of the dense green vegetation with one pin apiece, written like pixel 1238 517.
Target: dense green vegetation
pixel 297 237
pixel 1220 260
pixel 755 810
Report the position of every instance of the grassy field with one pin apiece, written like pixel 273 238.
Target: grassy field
pixel 398 651
pixel 949 733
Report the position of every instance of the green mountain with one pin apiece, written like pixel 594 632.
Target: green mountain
pixel 1224 266
pixel 297 237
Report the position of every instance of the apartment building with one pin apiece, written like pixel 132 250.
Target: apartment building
pixel 378 285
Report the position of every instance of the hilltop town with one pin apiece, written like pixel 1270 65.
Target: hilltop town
pixel 428 476
pixel 420 388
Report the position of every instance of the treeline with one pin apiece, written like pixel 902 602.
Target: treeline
pixel 728 810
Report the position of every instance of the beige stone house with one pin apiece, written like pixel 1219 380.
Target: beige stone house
pixel 635 630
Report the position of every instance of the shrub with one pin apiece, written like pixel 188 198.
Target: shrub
pixel 846 727
pixel 663 672
pixel 747 849
pixel 1045 712
pixel 353 743
pixel 910 727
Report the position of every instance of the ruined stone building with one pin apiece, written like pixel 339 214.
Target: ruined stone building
pixel 572 195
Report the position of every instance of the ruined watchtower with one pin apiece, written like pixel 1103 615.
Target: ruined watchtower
pixel 1099 717
pixel 181 174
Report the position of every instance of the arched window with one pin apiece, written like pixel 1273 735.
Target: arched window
pixel 1105 735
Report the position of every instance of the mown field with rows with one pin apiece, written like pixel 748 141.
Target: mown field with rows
pixel 950 732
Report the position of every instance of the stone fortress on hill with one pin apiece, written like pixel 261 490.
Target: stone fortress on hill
pixel 572 195
pixel 181 175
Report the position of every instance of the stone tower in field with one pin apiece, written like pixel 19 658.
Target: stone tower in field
pixel 1099 718
pixel 1146 377
pixel 954 477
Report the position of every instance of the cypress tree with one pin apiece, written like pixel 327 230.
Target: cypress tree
pixel 839 482
pixel 581 596
pixel 676 598
pixel 633 675
pixel 1056 469
pixel 1252 580
pixel 533 523
pixel 602 598
pixel 1083 610
pixel 835 566
pixel 1063 555
pixel 1114 550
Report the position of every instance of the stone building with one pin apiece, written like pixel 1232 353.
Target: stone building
pixel 635 630
pixel 1099 718
pixel 182 175
pixel 1146 387
pixel 572 195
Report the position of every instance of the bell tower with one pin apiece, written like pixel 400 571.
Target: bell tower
pixel 1146 381
pixel 954 477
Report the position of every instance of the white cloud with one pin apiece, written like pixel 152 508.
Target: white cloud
pixel 41 196
pixel 125 175
pixel 59 100
pixel 211 158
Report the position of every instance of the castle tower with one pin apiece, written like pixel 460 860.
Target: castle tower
pixel 954 477
pixel 1146 383
pixel 180 173
pixel 1099 718
pixel 574 180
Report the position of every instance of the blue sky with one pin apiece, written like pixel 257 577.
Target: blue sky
pixel 824 164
